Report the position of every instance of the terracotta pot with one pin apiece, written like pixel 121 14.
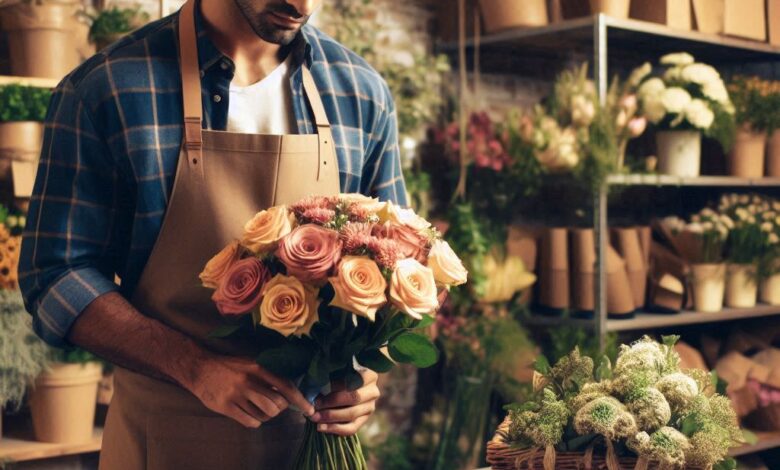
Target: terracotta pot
pixel 554 269
pixel 629 245
pixel 746 159
pixel 63 402
pixel 741 286
pixel 679 153
pixel 41 39
pixel 20 148
pixel 583 269
pixel 614 8
pixel 709 286
pixel 770 290
pixel 505 14
pixel 773 155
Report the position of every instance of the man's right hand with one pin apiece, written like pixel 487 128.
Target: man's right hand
pixel 244 391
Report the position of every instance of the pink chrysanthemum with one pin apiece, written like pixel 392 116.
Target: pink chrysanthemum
pixel 313 202
pixel 358 213
pixel 317 215
pixel 355 236
pixel 386 252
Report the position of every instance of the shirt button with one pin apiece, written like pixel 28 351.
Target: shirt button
pixel 217 98
pixel 224 65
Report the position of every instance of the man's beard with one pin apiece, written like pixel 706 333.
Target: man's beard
pixel 263 25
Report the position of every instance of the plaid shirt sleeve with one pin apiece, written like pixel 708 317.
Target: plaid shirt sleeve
pixel 64 263
pixel 383 163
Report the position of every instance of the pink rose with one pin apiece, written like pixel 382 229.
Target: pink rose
pixel 310 252
pixel 410 243
pixel 241 289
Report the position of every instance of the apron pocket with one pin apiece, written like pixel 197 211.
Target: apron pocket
pixel 207 443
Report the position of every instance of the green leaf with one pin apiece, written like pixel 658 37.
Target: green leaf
pixel 318 372
pixel 225 331
pixel 426 321
pixel 670 340
pixel 719 384
pixel 728 464
pixel 690 426
pixel 375 360
pixel 749 437
pixel 290 360
pixel 542 365
pixel 415 349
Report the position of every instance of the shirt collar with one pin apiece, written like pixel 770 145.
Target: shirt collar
pixel 209 56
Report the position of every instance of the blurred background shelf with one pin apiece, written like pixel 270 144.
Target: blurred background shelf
pixel 16 449
pixel 702 181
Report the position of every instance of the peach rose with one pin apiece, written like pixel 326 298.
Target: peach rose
pixel 265 229
pixel 447 268
pixel 310 252
pixel 370 204
pixel 360 286
pixel 413 289
pixel 219 265
pixel 410 243
pixel 241 288
pixel 401 216
pixel 288 306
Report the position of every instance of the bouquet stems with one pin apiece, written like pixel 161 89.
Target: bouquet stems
pixel 320 451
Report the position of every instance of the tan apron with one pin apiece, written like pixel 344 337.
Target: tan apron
pixel 222 180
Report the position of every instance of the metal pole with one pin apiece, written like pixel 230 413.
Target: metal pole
pixel 600 199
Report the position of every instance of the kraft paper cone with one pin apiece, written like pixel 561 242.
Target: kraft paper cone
pixel 583 276
pixel 664 261
pixel 620 301
pixel 523 243
pixel 690 357
pixel 645 239
pixel 667 293
pixel 554 269
pixel 629 245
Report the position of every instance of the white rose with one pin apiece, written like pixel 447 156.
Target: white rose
pixel 447 268
pixel 679 58
pixel 675 99
pixel 652 87
pixel 699 114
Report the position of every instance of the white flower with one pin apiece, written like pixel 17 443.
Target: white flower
pixel 679 58
pixel 696 218
pixel 673 75
pixel 582 110
pixel 695 227
pixel 776 206
pixel 700 74
pixel 769 215
pixel 675 99
pixel 699 114
pixel 766 227
pixel 724 232
pixel 742 213
pixel 707 212
pixel 774 239
pixel 673 223
pixel 654 109
pixel 727 222
pixel 652 87
pixel 777 221
pixel 716 91
pixel 639 74
pixel 743 199
pixel 708 226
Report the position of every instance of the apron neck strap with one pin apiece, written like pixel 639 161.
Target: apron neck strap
pixel 191 90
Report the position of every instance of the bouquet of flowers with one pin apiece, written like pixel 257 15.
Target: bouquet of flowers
pixel 328 282
pixel 688 96
pixel 703 239
pixel 755 232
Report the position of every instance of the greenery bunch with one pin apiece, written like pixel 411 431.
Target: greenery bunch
pixel 23 103
pixel 756 102
pixel 112 22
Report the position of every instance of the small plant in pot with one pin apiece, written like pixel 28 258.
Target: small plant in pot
pixel 755 113
pixel 64 397
pixel 109 25
pixel 688 100
pixel 22 355
pixel 22 112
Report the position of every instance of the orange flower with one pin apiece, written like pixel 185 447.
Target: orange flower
pixel 359 286
pixel 413 289
pixel 219 265
pixel 265 229
pixel 288 306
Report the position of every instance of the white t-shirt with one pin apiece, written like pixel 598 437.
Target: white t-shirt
pixel 264 107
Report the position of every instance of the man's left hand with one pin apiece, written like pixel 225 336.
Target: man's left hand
pixel 343 412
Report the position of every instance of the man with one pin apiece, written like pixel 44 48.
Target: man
pixel 148 111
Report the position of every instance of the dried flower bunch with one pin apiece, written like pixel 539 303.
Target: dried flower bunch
pixel 644 405
pixel 756 102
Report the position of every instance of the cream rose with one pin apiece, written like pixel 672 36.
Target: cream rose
pixel 447 268
pixel 288 307
pixel 219 265
pixel 413 289
pixel 370 204
pixel 265 229
pixel 401 216
pixel 359 286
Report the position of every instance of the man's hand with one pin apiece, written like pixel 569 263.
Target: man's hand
pixel 344 412
pixel 242 390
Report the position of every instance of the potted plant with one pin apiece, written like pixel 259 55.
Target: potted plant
pixel 64 397
pixel 505 14
pixel 22 112
pixel 41 39
pixel 22 355
pixel 687 101
pixel 754 116
pixel 109 25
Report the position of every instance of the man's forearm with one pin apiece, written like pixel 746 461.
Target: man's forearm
pixel 114 330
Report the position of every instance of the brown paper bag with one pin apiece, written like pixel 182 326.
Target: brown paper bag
pixel 583 269
pixel 554 269
pixel 620 300
pixel 629 245
pixel 523 241
pixel 745 18
pixel 666 293
pixel 672 13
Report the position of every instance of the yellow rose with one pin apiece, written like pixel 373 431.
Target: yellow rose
pixel 265 229
pixel 447 268
pixel 359 286
pixel 393 213
pixel 505 279
pixel 219 265
pixel 289 307
pixel 370 204
pixel 413 289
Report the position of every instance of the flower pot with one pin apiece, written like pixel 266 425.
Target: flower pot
pixel 746 159
pixel 679 153
pixel 770 290
pixel 41 39
pixel 20 147
pixel 741 286
pixel 63 401
pixel 504 14
pixel 773 155
pixel 614 8
pixel 709 286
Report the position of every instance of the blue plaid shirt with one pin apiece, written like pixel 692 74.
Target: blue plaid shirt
pixel 111 146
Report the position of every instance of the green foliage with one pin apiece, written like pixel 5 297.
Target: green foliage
pixel 755 102
pixel 109 23
pixel 470 237
pixel 393 453
pixel 22 103
pixel 600 159
pixel 565 338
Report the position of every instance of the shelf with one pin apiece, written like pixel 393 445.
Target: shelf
pixel 766 441
pixel 704 181
pixel 18 450
pixel 649 321
pixel 628 41
pixel 29 81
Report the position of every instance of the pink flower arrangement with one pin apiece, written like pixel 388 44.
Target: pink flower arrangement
pixel 483 144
